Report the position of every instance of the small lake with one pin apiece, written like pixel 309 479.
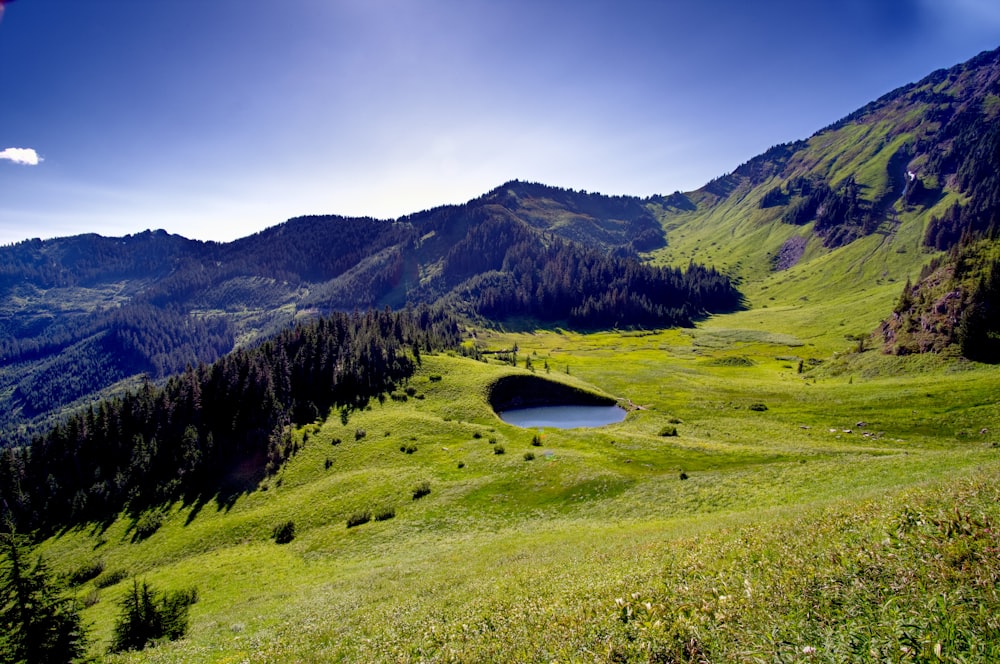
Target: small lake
pixel 563 417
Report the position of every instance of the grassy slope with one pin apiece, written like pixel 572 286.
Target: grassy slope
pixel 797 528
pixel 518 560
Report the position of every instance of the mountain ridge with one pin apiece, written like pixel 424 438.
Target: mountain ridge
pixel 847 215
pixel 104 310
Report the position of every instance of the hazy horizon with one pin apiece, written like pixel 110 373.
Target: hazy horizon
pixel 215 121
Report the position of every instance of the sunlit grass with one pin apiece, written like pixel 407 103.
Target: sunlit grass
pixel 508 560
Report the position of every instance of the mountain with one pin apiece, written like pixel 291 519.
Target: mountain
pixel 811 475
pixel 845 218
pixel 839 221
pixel 84 313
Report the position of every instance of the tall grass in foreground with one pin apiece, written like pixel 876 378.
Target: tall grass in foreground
pixel 913 580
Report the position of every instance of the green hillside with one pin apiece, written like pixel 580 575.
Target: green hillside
pixel 812 477
pixel 510 559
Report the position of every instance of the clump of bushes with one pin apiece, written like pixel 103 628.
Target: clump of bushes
pixel 758 407
pixel 421 490
pixel 499 449
pixel 328 463
pixel 536 440
pixel 434 378
pixel 111 578
pixel 529 456
pixel 477 435
pixel 148 616
pixel 336 441
pixel 668 431
pixel 85 573
pixel 359 434
pixel 385 514
pixel 284 532
pixel 359 518
pixel 147 524
pixel 408 448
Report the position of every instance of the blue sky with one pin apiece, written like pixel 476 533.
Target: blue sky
pixel 218 118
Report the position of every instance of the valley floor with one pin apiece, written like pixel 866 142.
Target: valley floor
pixel 832 510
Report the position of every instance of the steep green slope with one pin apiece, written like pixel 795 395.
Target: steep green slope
pixel 833 226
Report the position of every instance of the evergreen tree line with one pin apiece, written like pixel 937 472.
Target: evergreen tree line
pixel 85 259
pixel 110 346
pixel 975 161
pixel 978 330
pixel 559 281
pixel 214 428
pixel 840 213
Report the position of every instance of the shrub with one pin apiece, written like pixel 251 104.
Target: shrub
pixel 411 391
pixel 759 407
pixel 536 440
pixel 385 514
pixel 335 441
pixel 674 420
pixel 148 523
pixel 529 456
pixel 408 448
pixel 477 435
pixel 499 449
pixel 668 431
pixel 148 616
pixel 359 434
pixel 284 532
pixel 358 518
pixel 85 573
pixel 421 490
pixel 328 463
pixel 683 475
pixel 461 464
pixel 434 378
pixel 111 578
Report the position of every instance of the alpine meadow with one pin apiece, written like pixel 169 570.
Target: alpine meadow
pixel 287 448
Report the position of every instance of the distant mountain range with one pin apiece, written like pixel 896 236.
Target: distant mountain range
pixel 850 213
pixel 85 313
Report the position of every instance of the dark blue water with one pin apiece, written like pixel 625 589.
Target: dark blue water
pixel 563 417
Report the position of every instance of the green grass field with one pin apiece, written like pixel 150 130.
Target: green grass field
pixel 596 549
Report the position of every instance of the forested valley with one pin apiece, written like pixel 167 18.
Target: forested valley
pixel 90 315
pixel 213 430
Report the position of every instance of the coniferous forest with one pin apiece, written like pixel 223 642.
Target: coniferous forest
pixel 153 304
pixel 216 429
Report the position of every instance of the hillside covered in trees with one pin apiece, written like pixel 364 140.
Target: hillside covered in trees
pixel 213 430
pixel 85 313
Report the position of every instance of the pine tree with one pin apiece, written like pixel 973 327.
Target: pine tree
pixel 38 622
pixel 148 616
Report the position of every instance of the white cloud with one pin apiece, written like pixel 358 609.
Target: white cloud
pixel 21 156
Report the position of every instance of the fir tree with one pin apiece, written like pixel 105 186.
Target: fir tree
pixel 38 621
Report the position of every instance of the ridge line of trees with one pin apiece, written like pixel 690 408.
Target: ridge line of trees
pixel 214 430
